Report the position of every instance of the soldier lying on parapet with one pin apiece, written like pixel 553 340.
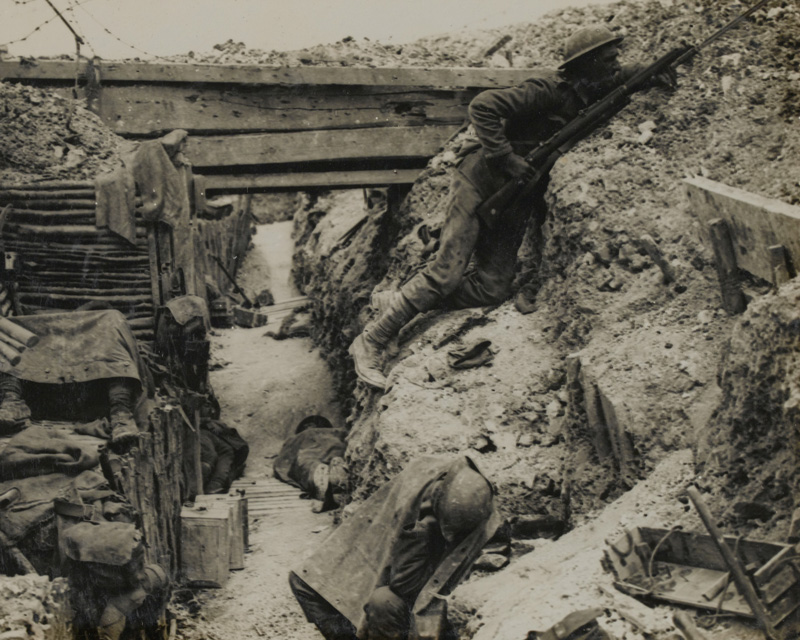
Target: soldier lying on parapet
pixel 312 460
pixel 86 366
pixel 377 576
pixel 508 123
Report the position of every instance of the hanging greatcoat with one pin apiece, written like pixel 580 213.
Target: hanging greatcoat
pixel 355 559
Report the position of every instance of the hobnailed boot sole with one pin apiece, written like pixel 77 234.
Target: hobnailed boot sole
pixel 359 352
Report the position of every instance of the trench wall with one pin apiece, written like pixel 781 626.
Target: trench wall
pixel 155 477
pixel 56 259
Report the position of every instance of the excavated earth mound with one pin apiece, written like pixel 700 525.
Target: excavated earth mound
pixel 45 136
pixel 616 371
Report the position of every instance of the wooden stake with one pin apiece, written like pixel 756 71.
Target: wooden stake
pixel 650 246
pixel 733 300
pixel 198 462
pixel 24 565
pixel 780 266
pixel 743 583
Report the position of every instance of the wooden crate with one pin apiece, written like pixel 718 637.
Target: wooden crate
pixel 205 529
pixel 249 318
pixel 686 568
pixel 221 313
pixel 237 520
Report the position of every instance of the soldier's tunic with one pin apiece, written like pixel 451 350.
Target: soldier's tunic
pixel 508 120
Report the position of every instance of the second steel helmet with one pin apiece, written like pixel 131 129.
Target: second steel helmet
pixel 465 502
pixel 585 40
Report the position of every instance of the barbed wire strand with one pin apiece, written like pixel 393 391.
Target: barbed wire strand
pixel 43 24
pixel 73 4
pixel 46 22
pixel 116 37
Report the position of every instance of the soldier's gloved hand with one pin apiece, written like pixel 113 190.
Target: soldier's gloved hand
pixel 514 166
pixel 667 79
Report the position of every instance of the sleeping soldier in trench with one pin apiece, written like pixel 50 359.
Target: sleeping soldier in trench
pixel 509 123
pixel 378 576
pixel 223 452
pixel 312 459
pixel 85 368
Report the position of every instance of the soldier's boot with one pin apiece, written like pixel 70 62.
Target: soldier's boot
pixel 14 412
pixel 112 623
pixel 124 432
pixel 525 300
pixel 214 487
pixel 337 475
pixel 321 481
pixel 368 347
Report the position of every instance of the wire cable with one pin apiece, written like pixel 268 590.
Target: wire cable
pixel 73 4
pixel 45 23
pixel 116 37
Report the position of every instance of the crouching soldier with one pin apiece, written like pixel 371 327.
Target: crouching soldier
pixel 108 577
pixel 377 576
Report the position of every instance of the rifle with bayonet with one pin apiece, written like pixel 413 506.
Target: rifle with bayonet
pixel 248 304
pixel 545 154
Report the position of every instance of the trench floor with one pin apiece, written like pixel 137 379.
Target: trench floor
pixel 265 387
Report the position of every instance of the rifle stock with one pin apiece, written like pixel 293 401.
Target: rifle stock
pixel 546 153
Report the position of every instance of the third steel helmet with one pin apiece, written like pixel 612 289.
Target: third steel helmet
pixel 585 40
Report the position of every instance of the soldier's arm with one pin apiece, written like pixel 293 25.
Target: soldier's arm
pixel 415 557
pixel 489 110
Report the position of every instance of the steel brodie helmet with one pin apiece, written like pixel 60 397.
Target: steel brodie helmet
pixel 585 40
pixel 465 502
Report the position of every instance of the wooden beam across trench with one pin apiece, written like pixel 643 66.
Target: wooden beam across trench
pixel 213 109
pixel 111 72
pixel 283 127
pixel 756 223
pixel 387 144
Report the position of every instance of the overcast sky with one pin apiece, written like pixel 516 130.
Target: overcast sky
pixel 127 28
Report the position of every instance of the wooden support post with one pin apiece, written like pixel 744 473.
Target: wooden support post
pixel 199 194
pixel 794 527
pixel 733 300
pixel 780 265
pixel 198 459
pixel 395 195
pixel 743 583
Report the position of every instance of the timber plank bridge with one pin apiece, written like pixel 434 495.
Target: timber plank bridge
pixel 255 128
